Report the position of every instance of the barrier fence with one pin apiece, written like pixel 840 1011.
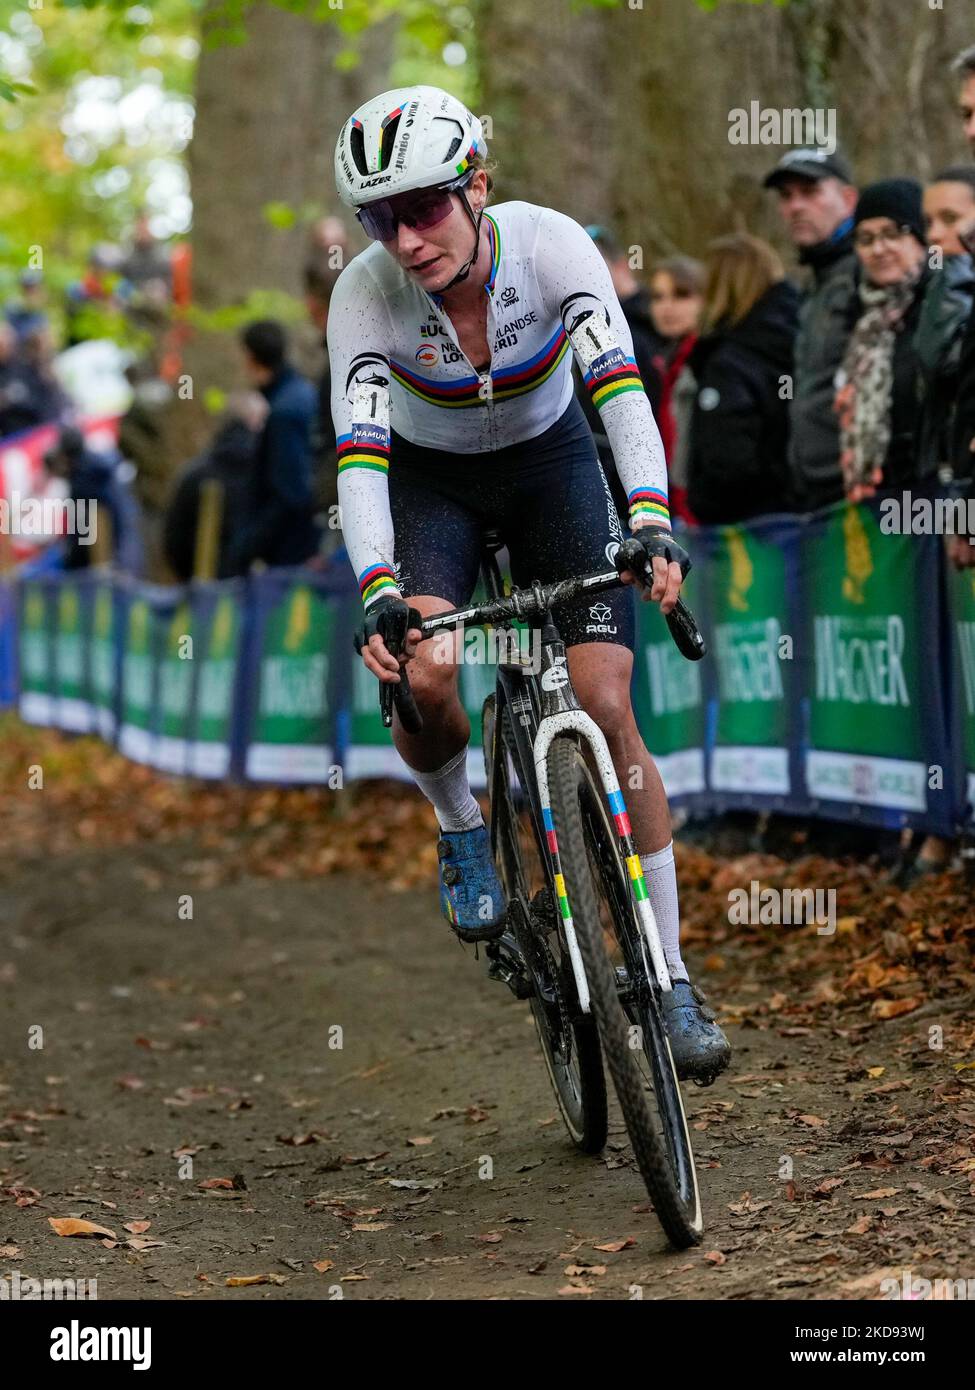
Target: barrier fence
pixel 840 680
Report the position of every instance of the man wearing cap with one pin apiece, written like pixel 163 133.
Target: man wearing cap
pixel 817 199
pixel 27 314
pixel 963 450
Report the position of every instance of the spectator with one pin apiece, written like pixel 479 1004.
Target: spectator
pixel 229 461
pixel 29 312
pixel 963 448
pixel 879 382
pixel 38 353
pixel 737 464
pixel 26 398
pixel 146 266
pixel 90 299
pixel 328 243
pixel 93 479
pixel 816 201
pixel 949 202
pixel 635 302
pixel 319 282
pixel 283 530
pixel 676 299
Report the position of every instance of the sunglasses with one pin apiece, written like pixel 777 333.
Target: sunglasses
pixel 419 211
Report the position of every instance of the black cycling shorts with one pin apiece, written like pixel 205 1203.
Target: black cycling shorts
pixel 550 501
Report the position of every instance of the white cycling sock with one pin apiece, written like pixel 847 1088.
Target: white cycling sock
pixel 661 876
pixel 450 792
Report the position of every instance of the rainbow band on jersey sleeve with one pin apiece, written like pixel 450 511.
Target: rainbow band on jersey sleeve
pixel 358 451
pixel 374 581
pixel 605 385
pixel 650 504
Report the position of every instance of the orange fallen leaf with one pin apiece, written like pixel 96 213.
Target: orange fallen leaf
pixel 74 1226
pixel 323 1265
pixel 241 1281
pixel 418 1140
pixel 614 1246
pixel 878 1192
pixel 371 1225
pixel 893 1008
pixel 574 1288
pixel 136 1227
pixel 715 1257
pixel 813 1120
pixel 216 1182
pixel 139 1243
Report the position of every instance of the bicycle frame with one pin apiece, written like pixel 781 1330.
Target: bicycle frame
pixel 541 707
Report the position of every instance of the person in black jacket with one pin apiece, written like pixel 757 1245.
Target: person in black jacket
pixel 634 300
pixel 737 464
pixel 816 199
pixel 879 383
pixel 229 461
pixel 283 529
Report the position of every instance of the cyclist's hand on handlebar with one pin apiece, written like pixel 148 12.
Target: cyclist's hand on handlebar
pixel 388 619
pixel 654 561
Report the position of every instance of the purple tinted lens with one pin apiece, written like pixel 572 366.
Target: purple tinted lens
pixel 427 212
pixel 380 220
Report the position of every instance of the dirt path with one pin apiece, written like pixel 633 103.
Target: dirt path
pixel 423 1157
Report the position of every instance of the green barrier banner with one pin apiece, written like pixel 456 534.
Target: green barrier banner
pixel 217 627
pixel 669 699
pixel 73 709
pixel 749 594
pixel 864 603
pixel 139 688
pixel 289 736
pixel 36 651
pixel 103 655
pixel 962 604
pixel 170 751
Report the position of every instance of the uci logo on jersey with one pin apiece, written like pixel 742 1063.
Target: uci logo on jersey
pixel 427 355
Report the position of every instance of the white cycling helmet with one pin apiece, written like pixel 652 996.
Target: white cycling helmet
pixel 411 137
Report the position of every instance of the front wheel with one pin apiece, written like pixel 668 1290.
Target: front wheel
pixel 569 1041
pixel 636 1047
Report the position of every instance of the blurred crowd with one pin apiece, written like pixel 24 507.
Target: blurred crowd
pixel 779 392
pixel 777 388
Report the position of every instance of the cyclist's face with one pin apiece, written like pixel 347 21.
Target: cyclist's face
pixel 432 256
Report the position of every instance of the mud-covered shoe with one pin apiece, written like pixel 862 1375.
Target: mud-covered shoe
pixel 700 1048
pixel 471 896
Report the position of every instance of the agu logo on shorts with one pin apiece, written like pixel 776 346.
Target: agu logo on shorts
pixel 427 355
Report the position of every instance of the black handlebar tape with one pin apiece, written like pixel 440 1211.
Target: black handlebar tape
pixel 685 632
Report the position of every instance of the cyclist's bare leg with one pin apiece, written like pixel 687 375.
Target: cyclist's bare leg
pixel 600 674
pixel 446 726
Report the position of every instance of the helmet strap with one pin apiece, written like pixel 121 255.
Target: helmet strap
pixel 466 268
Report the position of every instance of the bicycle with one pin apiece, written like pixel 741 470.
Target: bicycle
pixel 579 940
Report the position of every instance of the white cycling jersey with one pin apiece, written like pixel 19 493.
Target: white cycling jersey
pixel 396 364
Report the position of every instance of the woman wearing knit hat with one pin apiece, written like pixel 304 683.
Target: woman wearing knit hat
pixel 877 397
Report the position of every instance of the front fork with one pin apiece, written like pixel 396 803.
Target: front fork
pixel 551 727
